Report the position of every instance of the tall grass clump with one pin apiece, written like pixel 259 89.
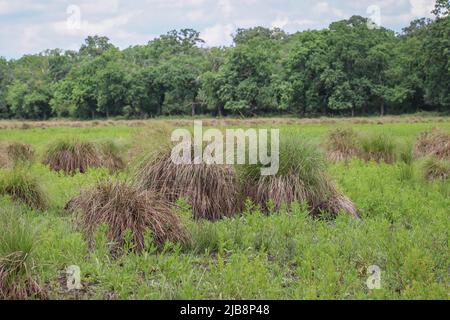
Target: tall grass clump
pixel 23 187
pixel 434 168
pixel 123 208
pixel 302 178
pixel 210 189
pixel 4 159
pixel 150 138
pixel 378 147
pixel 342 144
pixel 433 143
pixel 111 156
pixel 20 153
pixel 17 243
pixel 73 156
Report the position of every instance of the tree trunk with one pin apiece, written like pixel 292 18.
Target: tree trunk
pixel 382 108
pixel 162 98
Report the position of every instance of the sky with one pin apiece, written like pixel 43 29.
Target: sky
pixel 31 26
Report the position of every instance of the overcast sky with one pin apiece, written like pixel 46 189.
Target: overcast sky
pixel 31 26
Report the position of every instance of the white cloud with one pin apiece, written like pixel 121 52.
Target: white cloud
pixel 218 34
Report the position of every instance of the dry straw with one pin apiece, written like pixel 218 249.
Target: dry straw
pixel 121 206
pixel 73 156
pixel 433 143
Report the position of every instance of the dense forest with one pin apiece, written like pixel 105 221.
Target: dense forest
pixel 349 68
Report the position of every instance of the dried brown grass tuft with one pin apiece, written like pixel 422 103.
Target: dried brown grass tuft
pixel 211 190
pixel 150 138
pixel 434 168
pixel 111 156
pixel 433 143
pixel 18 237
pixel 24 187
pixel 122 206
pixel 12 289
pixel 4 158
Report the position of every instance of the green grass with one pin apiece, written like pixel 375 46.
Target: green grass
pixel 23 186
pixel 404 230
pixel 17 242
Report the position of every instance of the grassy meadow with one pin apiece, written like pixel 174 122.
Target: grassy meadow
pixel 285 254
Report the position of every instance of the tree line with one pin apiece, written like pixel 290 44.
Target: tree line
pixel 349 68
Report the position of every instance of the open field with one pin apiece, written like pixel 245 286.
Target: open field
pixel 404 225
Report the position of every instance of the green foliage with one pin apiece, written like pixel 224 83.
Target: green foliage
pixel 23 187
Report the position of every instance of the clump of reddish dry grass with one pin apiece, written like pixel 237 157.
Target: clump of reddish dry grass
pixel 211 189
pixel 121 206
pixel 433 143
pixel 302 178
pixel 342 144
pixel 75 156
pixel 434 168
